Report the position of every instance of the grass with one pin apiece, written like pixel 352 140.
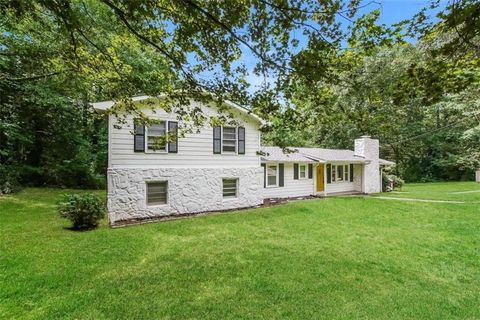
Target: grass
pixel 336 258
pixel 451 191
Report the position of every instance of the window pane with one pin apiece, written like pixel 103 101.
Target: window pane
pixel 157 192
pixel 229 139
pixel 346 172
pixel 155 143
pixel 334 172
pixel 272 175
pixel 154 134
pixel 302 171
pixel 340 173
pixel 157 129
pixel 229 188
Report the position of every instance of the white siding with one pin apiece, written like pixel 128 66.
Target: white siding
pixel 292 187
pixel 194 150
pixel 339 187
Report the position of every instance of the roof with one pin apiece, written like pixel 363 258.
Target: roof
pixel 277 154
pixel 105 105
pixel 386 162
pixel 300 154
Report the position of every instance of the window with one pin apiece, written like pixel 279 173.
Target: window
pixel 340 173
pixel 156 135
pixel 229 139
pixel 230 188
pixel 272 175
pixel 302 170
pixel 157 193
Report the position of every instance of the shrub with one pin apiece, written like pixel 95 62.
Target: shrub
pixel 9 179
pixel 391 182
pixel 84 210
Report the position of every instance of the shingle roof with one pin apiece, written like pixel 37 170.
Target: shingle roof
pixel 331 154
pixel 277 154
pixel 300 154
pixel 386 162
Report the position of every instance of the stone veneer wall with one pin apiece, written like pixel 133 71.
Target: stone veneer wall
pixel 190 190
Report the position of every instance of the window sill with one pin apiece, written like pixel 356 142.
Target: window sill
pixel 153 206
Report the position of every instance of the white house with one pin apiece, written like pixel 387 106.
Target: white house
pixel 222 168
pixel 477 176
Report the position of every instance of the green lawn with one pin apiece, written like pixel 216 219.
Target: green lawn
pixel 334 258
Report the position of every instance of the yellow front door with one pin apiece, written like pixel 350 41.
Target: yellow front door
pixel 320 178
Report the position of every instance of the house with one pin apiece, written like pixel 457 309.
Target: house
pixel 477 176
pixel 221 168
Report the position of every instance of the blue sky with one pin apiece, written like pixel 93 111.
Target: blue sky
pixel 392 11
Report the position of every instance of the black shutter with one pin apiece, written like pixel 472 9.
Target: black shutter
pixel 310 171
pixel 217 140
pixel 241 140
pixel 138 138
pixel 329 173
pixel 173 131
pixel 264 166
pixel 280 175
pixel 295 171
pixel 351 172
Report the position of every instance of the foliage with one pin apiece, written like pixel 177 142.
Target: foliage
pixel 391 182
pixel 84 210
pixel 9 179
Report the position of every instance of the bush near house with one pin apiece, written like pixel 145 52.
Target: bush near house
pixel 391 182
pixel 84 210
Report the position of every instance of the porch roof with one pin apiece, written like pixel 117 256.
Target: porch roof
pixel 294 154
pixel 277 154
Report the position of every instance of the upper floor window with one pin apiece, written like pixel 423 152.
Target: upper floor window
pixel 229 139
pixel 156 137
pixel 161 136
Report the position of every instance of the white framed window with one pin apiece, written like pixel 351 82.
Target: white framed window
pixel 230 187
pixel 340 173
pixel 157 193
pixel 302 171
pixel 156 137
pixel 272 175
pixel 229 139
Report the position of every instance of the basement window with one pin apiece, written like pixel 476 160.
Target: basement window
pixel 230 187
pixel 157 193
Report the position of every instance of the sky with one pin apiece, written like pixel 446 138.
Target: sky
pixel 392 11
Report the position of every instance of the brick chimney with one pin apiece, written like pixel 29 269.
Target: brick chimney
pixel 369 149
